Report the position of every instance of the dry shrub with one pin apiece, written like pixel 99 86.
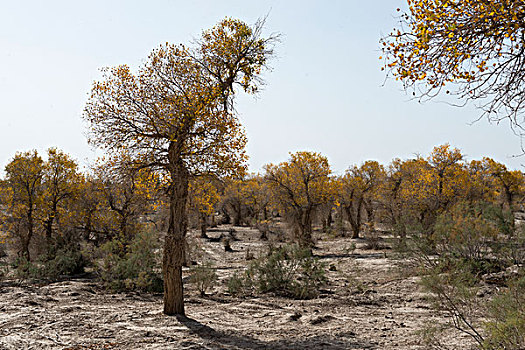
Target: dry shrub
pixel 470 242
pixel 203 277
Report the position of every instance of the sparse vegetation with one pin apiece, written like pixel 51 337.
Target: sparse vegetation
pixel 203 277
pixel 435 240
pixel 288 270
pixel 131 267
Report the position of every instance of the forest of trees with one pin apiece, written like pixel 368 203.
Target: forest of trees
pixel 59 220
pixel 176 162
pixel 51 201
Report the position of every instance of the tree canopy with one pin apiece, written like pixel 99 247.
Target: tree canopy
pixel 176 115
pixel 473 49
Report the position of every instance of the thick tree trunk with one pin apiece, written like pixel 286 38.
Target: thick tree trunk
pixel 355 222
pixel 329 219
pixel 227 219
pixel 25 248
pixel 204 225
pixel 174 246
pixel 238 215
pixel 370 215
pixel 306 229
pixel 48 227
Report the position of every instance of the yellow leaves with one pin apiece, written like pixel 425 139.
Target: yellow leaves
pixel 203 195
pixel 302 181
pixel 440 39
pixel 179 99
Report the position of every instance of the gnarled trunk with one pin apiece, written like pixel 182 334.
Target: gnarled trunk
pixel 237 221
pixel 174 246
pixel 204 225
pixel 355 222
pixel 306 228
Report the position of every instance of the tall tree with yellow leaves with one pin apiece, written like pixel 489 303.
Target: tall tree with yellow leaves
pixel 23 194
pixel 358 189
pixel 175 115
pixel 300 186
pixel 61 183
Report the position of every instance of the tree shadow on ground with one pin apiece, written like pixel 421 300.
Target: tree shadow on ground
pixel 356 256
pixel 225 340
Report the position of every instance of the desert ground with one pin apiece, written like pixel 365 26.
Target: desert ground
pixel 372 301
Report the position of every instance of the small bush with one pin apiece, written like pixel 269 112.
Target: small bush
pixel 66 261
pixel 203 276
pixel 288 271
pixel 506 328
pixel 264 229
pixel 373 241
pixel 238 285
pixel 25 269
pixel 473 241
pixel 455 292
pixel 465 232
pixel 136 269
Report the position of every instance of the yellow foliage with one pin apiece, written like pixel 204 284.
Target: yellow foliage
pixel 476 44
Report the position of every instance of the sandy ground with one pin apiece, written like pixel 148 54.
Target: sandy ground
pixel 371 302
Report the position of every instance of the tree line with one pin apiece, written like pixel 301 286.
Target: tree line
pixel 54 203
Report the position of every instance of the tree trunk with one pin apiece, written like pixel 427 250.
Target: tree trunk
pixel 238 215
pixel 204 225
pixel 48 227
pixel 226 217
pixel 30 227
pixel 370 215
pixel 306 229
pixel 174 246
pixel 340 221
pixel 25 247
pixel 355 222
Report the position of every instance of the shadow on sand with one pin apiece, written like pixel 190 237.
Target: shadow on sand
pixel 225 340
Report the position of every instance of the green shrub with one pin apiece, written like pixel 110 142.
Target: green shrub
pixel 288 271
pixel 25 269
pixel 238 284
pixel 471 241
pixel 133 266
pixel 506 328
pixel 475 235
pixel 454 292
pixel 465 232
pixel 66 261
pixel 203 276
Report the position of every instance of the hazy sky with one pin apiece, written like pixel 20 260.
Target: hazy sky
pixel 325 92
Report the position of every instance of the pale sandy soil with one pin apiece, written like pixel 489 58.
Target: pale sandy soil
pixel 371 302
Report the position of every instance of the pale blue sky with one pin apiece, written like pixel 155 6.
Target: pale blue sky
pixel 324 94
